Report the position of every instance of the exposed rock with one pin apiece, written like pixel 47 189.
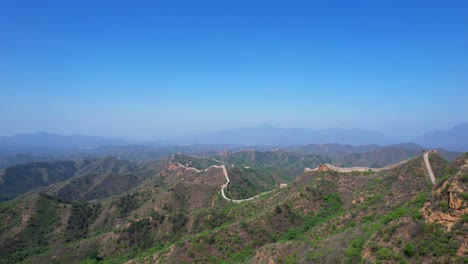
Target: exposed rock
pixel 463 249
pixel 323 168
pixel 455 202
pixel 448 194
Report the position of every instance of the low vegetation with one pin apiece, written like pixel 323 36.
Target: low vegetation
pixel 321 217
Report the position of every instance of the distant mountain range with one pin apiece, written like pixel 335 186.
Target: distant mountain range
pixel 55 141
pixel 289 136
pixel 454 139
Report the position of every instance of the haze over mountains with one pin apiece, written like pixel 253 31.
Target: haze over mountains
pixel 233 132
pixel 49 140
pixel 109 210
pixel 454 139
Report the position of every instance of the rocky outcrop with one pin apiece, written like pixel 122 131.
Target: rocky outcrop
pixel 449 205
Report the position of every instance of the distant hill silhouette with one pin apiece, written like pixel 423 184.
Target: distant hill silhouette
pixel 54 141
pixel 289 136
pixel 455 139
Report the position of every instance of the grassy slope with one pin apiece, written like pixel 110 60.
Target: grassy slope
pixel 325 218
pixel 19 179
pixel 321 217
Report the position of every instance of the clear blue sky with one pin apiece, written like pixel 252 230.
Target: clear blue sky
pixel 150 68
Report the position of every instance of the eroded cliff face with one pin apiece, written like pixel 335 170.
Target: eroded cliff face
pixel 449 204
pixel 448 211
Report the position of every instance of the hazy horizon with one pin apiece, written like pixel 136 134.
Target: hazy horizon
pixel 175 136
pixel 144 71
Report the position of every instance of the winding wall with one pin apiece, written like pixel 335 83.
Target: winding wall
pixel 358 169
pixel 427 164
pixel 331 167
pixel 224 186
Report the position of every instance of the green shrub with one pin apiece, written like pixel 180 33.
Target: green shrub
pixel 445 178
pixel 417 216
pixel 465 218
pixel 464 178
pixel 437 241
pixel 444 206
pixel 292 234
pixel 353 252
pixel 395 214
pixel 409 249
pixel 368 218
pixel 385 253
pixel 278 209
pixel 374 199
pixel 420 199
pixel 464 196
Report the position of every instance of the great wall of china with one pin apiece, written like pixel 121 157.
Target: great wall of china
pixel 328 166
pixel 428 165
pixel 357 169
pixel 321 167
pixel 224 186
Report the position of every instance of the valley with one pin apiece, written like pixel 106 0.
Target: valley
pixel 228 208
pixel 233 132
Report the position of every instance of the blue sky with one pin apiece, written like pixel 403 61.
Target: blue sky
pixel 142 69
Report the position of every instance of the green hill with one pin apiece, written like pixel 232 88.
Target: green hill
pixel 19 179
pixel 176 215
